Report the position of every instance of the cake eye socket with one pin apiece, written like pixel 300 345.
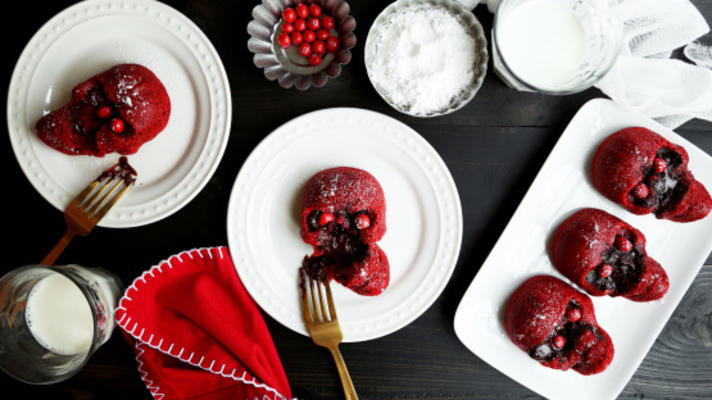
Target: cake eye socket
pixel 313 220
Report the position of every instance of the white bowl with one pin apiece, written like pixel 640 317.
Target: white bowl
pixel 468 21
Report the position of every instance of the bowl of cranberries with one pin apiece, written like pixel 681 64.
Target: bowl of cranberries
pixel 301 43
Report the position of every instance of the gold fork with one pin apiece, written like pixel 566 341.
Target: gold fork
pixel 324 326
pixel 87 209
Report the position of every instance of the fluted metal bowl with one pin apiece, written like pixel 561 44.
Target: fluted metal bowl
pixel 286 65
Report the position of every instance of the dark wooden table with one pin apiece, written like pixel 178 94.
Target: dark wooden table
pixel 493 147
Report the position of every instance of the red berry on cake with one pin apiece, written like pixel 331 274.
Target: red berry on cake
pixel 117 125
pixel 623 244
pixel 104 112
pixel 326 218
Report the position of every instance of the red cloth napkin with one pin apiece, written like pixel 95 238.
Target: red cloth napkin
pixel 197 334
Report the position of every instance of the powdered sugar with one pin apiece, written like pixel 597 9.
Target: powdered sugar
pixel 424 59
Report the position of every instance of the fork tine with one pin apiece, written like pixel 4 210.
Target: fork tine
pixel 305 299
pixel 324 316
pixel 94 206
pixel 103 210
pixel 90 198
pixel 82 197
pixel 330 299
pixel 318 318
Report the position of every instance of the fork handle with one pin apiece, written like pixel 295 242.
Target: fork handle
pixel 349 390
pixel 58 248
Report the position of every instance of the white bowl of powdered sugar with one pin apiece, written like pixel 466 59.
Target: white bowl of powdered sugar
pixel 426 57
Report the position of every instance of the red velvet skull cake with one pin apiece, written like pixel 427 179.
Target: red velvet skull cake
pixel 606 256
pixel 343 216
pixel 643 172
pixel 556 325
pixel 117 110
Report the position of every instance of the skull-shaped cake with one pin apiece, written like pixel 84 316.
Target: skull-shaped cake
pixel 117 110
pixel 643 172
pixel 556 325
pixel 606 256
pixel 343 216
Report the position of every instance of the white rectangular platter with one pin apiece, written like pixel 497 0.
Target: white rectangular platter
pixel 562 186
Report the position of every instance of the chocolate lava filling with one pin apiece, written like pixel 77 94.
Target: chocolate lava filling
pixel 569 330
pixel 666 188
pixel 626 271
pixel 341 247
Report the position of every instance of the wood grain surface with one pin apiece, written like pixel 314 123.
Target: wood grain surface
pixel 494 147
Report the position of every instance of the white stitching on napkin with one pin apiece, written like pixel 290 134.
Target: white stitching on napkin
pixel 123 324
pixel 153 389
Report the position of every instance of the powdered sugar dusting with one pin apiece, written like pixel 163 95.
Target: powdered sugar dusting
pixel 424 59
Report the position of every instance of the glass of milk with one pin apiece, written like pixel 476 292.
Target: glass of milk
pixel 53 319
pixel 555 46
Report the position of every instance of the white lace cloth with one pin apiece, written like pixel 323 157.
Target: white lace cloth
pixel 644 77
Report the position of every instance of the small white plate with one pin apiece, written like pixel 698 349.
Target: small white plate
pixel 561 187
pixel 90 37
pixel 423 217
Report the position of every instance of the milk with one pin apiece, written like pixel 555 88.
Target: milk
pixel 542 42
pixel 59 316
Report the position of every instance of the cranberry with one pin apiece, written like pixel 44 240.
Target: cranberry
pixel 289 15
pixel 300 25
pixel 297 38
pixel 641 191
pixel 326 218
pixel 313 23
pixel 322 34
pixel 623 244
pixel 314 59
pixel 660 165
pixel 104 112
pixel 362 221
pixel 559 342
pixel 605 270
pixel 305 50
pixel 333 44
pixel 302 10
pixel 327 22
pixel 315 10
pixel 284 40
pixel 573 314
pixel 319 47
pixel 117 125
pixel 309 36
pixel 287 28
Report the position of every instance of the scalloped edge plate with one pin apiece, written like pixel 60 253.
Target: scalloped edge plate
pixel 88 38
pixel 423 216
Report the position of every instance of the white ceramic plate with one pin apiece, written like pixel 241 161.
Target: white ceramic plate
pixel 90 37
pixel 561 187
pixel 423 217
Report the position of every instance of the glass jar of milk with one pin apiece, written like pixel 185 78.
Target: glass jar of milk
pixel 555 46
pixel 53 319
